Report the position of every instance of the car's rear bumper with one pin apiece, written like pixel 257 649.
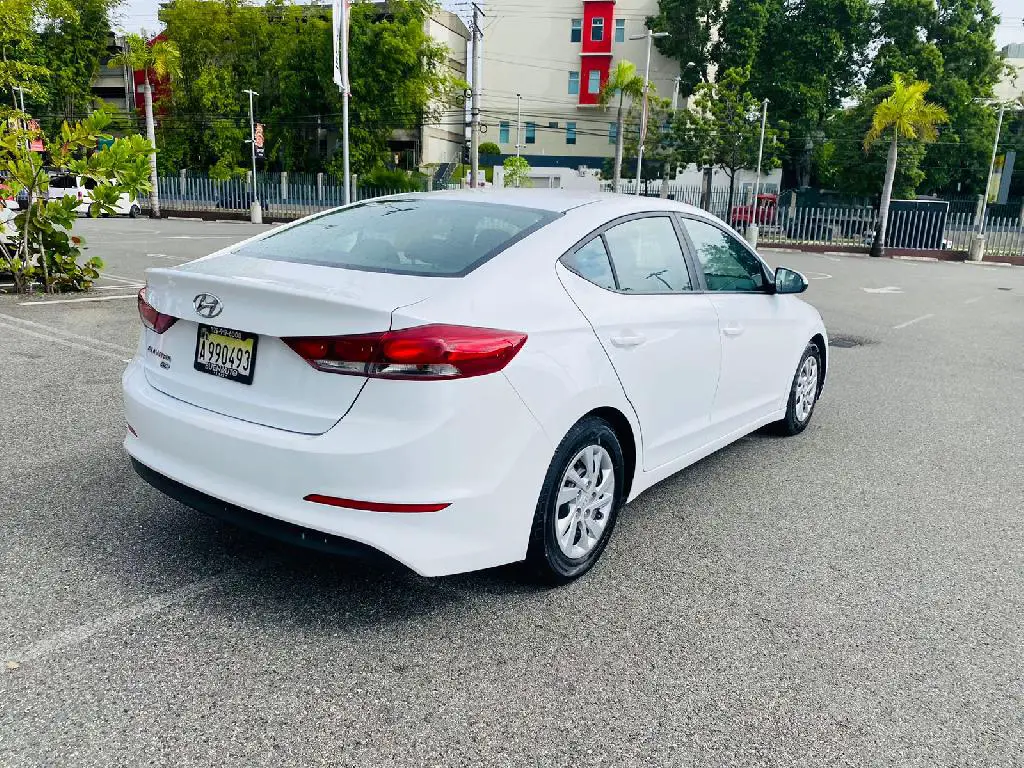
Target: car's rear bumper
pixel 475 447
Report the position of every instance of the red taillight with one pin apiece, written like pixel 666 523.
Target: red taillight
pixel 151 317
pixel 427 352
pixel 373 506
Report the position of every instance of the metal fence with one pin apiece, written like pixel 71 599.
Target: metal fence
pixel 290 196
pixel 280 197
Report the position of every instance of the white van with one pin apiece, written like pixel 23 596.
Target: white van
pixel 63 184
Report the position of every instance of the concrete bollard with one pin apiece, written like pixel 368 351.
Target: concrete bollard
pixel 976 251
pixel 752 233
pixel 256 212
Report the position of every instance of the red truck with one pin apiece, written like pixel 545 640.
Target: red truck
pixel 742 215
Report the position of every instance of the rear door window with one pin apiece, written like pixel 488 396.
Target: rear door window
pixel 442 238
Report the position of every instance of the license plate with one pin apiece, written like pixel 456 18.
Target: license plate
pixel 226 353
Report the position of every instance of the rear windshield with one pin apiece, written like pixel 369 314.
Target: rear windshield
pixel 444 238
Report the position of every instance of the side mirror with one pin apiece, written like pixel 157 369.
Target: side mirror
pixel 789 281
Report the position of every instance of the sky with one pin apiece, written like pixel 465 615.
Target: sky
pixel 135 15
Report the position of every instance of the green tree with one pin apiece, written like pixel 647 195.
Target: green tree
pixel 158 60
pixel 812 54
pixel 40 245
pixel 689 24
pixel 72 47
pixel 623 81
pixel 950 44
pixel 517 171
pixel 490 148
pixel 904 114
pixel 840 161
pixel 740 33
pixel 734 125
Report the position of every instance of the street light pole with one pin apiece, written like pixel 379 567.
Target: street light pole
pixel 991 169
pixel 650 35
pixel 519 121
pixel 255 212
pixel 752 228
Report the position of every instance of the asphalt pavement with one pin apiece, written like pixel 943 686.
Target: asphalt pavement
pixel 853 596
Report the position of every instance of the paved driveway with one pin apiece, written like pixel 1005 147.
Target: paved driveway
pixel 853 596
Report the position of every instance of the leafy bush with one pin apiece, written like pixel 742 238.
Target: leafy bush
pixel 37 245
pixel 490 148
pixel 393 181
pixel 516 172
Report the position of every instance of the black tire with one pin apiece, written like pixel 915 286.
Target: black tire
pixel 793 424
pixel 545 560
pixel 134 211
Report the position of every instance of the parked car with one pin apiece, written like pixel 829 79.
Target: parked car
pixel 767 205
pixel 460 380
pixel 62 185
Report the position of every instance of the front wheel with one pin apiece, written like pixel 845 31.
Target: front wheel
pixel 134 212
pixel 579 503
pixel 803 393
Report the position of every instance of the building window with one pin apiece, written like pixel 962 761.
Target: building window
pixel 574 83
pixel 503 132
pixel 570 133
pixel 613 132
pixel 553 126
pixel 594 81
pixel 531 133
pixel 597 29
pixel 576 31
pixel 620 30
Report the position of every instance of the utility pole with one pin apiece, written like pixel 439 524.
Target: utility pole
pixel 474 136
pixel 519 121
pixel 255 211
pixel 752 228
pixel 339 22
pixel 675 94
pixel 649 35
pixel 991 169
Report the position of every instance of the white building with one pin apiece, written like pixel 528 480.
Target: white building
pixel 557 55
pixel 1011 85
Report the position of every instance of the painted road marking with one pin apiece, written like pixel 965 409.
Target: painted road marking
pixel 76 301
pixel 119 278
pixel 61 641
pixel 58 340
pixel 911 322
pixel 817 275
pixel 887 289
pixel 43 328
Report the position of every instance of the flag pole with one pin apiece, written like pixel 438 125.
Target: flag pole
pixel 339 18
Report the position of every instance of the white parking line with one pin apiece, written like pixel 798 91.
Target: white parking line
pixel 911 322
pixel 134 287
pixel 60 332
pixel 73 344
pixel 61 641
pixel 119 278
pixel 75 301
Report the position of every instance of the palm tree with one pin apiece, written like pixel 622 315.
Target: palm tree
pixel 623 81
pixel 161 59
pixel 903 114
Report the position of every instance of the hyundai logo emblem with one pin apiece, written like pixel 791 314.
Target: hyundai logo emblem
pixel 207 305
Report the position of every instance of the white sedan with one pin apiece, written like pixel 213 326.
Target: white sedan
pixel 462 380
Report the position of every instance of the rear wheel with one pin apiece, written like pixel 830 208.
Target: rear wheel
pixel 578 504
pixel 803 393
pixel 134 212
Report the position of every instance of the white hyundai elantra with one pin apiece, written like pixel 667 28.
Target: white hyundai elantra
pixel 461 380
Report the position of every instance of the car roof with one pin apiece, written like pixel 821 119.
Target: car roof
pixel 560 200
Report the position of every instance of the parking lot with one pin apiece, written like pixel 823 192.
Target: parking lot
pixel 852 596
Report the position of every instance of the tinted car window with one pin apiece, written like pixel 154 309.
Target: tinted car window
pixel 727 264
pixel 647 256
pixel 63 182
pixel 591 263
pixel 410 237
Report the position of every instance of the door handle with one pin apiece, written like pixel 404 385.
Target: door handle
pixel 628 340
pixel 732 330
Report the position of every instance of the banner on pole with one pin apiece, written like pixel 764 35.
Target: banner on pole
pixel 258 140
pixel 36 145
pixel 339 22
